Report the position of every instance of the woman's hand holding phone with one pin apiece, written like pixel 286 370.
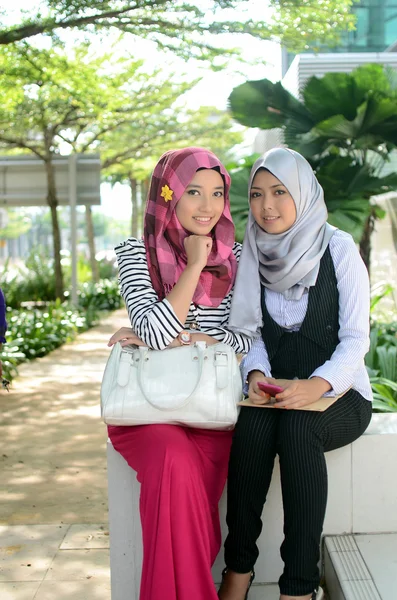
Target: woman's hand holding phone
pixel 302 392
pixel 285 393
pixel 255 394
pixel 269 388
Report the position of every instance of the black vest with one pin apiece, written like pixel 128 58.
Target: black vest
pixel 299 353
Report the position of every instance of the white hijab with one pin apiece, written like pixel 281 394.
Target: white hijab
pixel 287 262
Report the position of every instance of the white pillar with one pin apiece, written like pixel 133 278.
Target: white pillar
pixel 73 222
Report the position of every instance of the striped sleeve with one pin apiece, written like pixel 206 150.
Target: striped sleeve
pixel 354 300
pixel 154 321
pixel 238 341
pixel 257 359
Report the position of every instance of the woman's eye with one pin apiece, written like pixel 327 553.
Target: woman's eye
pixel 218 194
pixel 255 194
pixel 193 192
pixel 280 192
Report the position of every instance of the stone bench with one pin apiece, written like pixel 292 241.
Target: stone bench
pixel 362 498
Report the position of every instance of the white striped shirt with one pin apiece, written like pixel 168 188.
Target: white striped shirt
pixel 154 321
pixel 346 366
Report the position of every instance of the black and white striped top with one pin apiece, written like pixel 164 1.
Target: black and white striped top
pixel 154 321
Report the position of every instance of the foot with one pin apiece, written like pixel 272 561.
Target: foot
pixel 234 586
pixel 314 596
pixel 307 597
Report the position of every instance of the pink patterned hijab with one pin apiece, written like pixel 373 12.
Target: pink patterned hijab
pixel 164 235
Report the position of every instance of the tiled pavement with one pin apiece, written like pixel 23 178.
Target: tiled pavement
pixel 64 562
pixel 53 484
pixel 47 562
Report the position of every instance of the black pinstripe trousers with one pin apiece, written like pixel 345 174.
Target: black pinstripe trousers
pixel 300 438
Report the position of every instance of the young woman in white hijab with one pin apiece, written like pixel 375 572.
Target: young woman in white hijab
pixel 302 284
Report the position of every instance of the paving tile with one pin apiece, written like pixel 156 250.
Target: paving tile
pixel 26 552
pixel 72 565
pixel 361 590
pixel 264 592
pixel 93 589
pixel 50 534
pixel 380 555
pixel 85 537
pixel 19 590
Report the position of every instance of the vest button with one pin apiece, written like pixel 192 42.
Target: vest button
pixel 329 328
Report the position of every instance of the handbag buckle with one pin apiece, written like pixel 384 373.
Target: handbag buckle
pixel 221 359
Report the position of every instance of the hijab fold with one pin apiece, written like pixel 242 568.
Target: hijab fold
pixel 164 235
pixel 287 262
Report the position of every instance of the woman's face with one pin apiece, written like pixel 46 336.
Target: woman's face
pixel 202 202
pixel 271 203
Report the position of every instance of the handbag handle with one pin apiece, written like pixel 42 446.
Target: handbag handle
pixel 200 358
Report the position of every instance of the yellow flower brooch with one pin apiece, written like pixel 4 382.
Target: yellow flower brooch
pixel 166 193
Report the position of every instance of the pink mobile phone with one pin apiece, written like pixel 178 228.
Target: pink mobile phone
pixel 270 389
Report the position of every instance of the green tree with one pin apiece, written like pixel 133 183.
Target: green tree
pixel 50 97
pixel 187 28
pixel 239 207
pixel 346 126
pixel 18 224
pixel 131 137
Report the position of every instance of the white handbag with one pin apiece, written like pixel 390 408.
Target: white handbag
pixel 196 386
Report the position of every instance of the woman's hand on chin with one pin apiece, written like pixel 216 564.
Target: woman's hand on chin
pixel 126 336
pixel 198 249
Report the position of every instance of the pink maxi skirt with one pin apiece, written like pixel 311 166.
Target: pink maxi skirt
pixel 182 472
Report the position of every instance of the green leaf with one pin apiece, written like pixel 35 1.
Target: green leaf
pixel 267 105
pixel 381 406
pixel 186 28
pixel 332 94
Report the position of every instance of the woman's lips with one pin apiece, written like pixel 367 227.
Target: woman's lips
pixel 203 220
pixel 270 219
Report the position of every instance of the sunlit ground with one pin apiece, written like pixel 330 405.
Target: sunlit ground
pixel 53 459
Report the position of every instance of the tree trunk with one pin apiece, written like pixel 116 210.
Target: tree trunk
pixel 52 202
pixel 365 242
pixel 134 207
pixel 91 243
pixel 144 194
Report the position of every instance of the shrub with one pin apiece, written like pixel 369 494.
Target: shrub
pixel 381 362
pixel 33 332
pixel 37 322
pixel 104 295
pixel 32 282
pixel 35 283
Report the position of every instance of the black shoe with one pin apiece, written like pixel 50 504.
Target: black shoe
pixel 225 570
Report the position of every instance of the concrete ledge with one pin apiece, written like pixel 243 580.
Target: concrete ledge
pixel 362 498
pixel 125 529
pixel 374 488
pixel 382 424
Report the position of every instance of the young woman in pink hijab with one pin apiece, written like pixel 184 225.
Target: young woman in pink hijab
pixel 177 285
